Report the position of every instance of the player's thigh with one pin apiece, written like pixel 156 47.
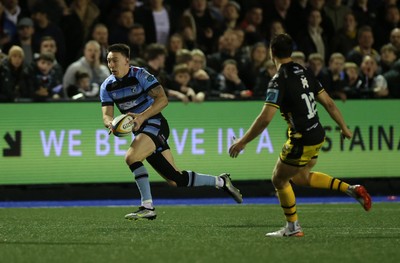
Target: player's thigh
pixel 141 147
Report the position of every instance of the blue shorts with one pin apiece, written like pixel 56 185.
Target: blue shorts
pixel 157 129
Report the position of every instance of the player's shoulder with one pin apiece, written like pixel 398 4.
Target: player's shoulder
pixel 108 81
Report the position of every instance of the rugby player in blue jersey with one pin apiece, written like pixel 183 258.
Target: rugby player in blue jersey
pixel 136 92
pixel 294 91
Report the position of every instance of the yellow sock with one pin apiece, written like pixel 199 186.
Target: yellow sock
pixel 324 181
pixel 288 203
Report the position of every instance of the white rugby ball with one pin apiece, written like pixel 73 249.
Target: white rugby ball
pixel 122 125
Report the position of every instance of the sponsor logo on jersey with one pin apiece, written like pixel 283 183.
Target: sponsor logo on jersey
pixel 150 78
pixel 272 95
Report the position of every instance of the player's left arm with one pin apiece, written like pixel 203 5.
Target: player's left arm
pixel 260 123
pixel 160 102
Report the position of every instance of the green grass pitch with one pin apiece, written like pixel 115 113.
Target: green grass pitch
pixel 218 233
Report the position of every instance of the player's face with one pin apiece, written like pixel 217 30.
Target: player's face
pixel 118 64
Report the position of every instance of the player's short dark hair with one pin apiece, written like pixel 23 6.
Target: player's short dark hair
pixel 282 46
pixel 120 48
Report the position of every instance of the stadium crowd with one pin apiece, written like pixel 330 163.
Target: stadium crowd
pixel 198 50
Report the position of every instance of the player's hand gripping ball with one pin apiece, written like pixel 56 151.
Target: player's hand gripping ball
pixel 122 125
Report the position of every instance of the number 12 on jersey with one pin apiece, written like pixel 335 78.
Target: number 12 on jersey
pixel 311 105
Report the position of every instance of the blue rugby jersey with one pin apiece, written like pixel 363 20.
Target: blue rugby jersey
pixel 130 94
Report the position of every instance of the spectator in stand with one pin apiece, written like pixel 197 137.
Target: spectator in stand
pixel 181 84
pixel 157 21
pixel 217 9
pixel 43 80
pixel 45 27
pixel 155 56
pixel 112 13
pixel 388 56
pixel 49 45
pixel 265 75
pixel 282 11
pixel 326 23
pixel 137 41
pixel 395 39
pixel 252 26
pixel 119 31
pixel 231 15
pixel 24 39
pixel 175 43
pixel 229 85
pixel 314 38
pixel 100 34
pixel 365 40
pixel 230 49
pixel 334 79
pixel 258 57
pixel 353 84
pixel 390 22
pixel 316 64
pixel 88 14
pixel 198 25
pixel 373 85
pixel 299 57
pixel 83 88
pixel 203 77
pixel 13 10
pixel 14 77
pixel 346 37
pixel 364 12
pixel 8 29
pixel 393 79
pixel 336 11
pixel 90 63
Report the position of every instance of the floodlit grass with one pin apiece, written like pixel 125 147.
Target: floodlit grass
pixel 225 233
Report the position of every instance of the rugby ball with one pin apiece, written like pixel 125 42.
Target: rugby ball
pixel 122 125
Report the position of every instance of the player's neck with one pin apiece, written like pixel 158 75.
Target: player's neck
pixel 281 61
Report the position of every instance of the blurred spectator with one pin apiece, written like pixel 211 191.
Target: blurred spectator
pixel 316 64
pixel 265 75
pixel 230 49
pixel 183 56
pixel 90 63
pixel 119 31
pixel 346 37
pixel 45 27
pixel 198 25
pixel 157 22
pixel 336 11
pixel 252 26
pixel 388 56
pixel 299 58
pixel 113 11
pixel 326 23
pixel 14 77
pixel 83 88
pixel 353 84
pixel 44 83
pixel 49 45
pixel 395 39
pixel 364 12
pixel 203 77
pixel 390 22
pixel 365 40
pixel 373 84
pixel 334 79
pixel 282 11
pixel 155 56
pixel 8 29
pixel 258 56
pixel 229 85
pixel 137 41
pixel 314 38
pixel 100 34
pixel 13 10
pixel 24 39
pixel 175 44
pixel 393 79
pixel 181 84
pixel 217 9
pixel 231 15
pixel 88 13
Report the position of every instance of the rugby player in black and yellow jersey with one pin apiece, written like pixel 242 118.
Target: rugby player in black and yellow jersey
pixel 294 91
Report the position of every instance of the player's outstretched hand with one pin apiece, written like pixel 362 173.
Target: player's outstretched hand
pixel 346 133
pixel 236 148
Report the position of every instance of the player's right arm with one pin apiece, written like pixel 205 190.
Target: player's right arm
pixel 108 115
pixel 334 112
